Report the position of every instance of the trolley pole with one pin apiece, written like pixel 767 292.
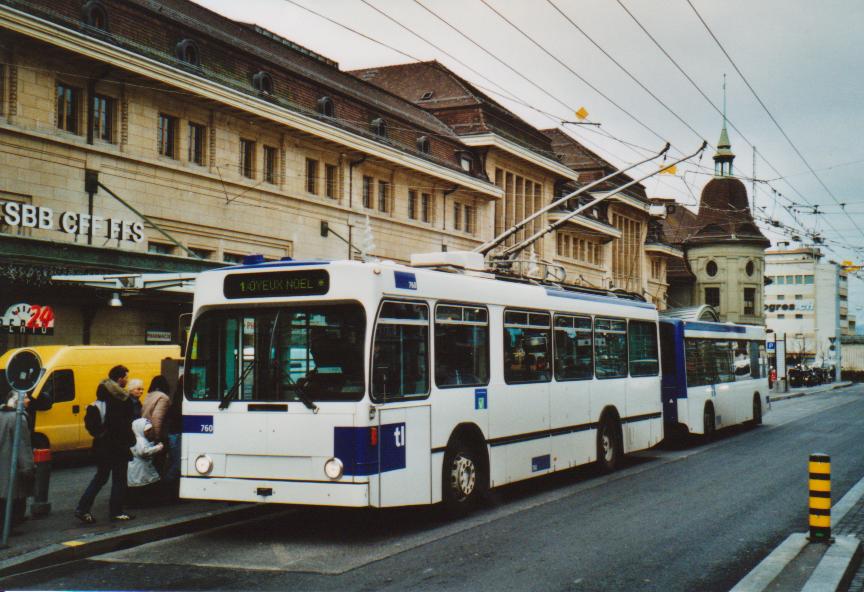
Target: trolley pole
pixel 820 498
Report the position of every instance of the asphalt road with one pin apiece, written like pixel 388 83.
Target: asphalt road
pixel 695 517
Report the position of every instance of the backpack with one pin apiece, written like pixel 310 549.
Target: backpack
pixel 94 418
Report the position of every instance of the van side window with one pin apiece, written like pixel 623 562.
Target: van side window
pixel 60 385
pixel 461 345
pixel 400 360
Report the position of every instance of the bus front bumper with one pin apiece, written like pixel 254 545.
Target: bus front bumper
pixel 355 495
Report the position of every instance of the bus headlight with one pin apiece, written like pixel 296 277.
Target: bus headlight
pixel 333 468
pixel 204 464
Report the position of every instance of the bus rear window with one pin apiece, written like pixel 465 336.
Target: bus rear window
pixel 277 354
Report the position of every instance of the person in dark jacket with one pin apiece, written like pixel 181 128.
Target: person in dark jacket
pixel 111 447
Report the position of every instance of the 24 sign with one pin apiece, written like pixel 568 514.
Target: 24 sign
pixel 28 319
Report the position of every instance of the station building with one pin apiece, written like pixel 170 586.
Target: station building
pixel 145 137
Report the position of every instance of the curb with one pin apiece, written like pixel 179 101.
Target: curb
pixel 816 391
pixel 761 576
pixel 57 553
pixel 837 566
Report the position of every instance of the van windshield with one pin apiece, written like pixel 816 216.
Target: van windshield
pixel 277 354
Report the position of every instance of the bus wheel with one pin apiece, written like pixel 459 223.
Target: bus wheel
pixel 757 410
pixel 608 445
pixel 708 424
pixel 462 477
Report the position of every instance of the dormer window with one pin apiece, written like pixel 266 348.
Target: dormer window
pixel 379 127
pixel 423 144
pixel 263 83
pixel 325 106
pixel 187 51
pixel 94 15
pixel 466 162
pixel 426 96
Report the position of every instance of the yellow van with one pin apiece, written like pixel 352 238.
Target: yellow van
pixel 72 373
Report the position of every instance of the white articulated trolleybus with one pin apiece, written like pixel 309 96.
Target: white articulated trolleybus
pixel 376 384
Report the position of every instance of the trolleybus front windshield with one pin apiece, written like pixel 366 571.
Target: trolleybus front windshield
pixel 310 352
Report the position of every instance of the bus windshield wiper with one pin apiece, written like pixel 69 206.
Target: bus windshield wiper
pixel 300 391
pixel 226 399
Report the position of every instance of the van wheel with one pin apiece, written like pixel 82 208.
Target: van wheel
pixel 40 441
pixel 608 444
pixel 757 410
pixel 462 479
pixel 709 425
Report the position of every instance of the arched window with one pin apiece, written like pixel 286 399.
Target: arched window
pixel 263 83
pixel 423 144
pixel 379 127
pixel 93 14
pixel 711 268
pixel 187 51
pixel 325 106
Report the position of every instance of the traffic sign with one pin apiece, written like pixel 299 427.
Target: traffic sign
pixel 23 370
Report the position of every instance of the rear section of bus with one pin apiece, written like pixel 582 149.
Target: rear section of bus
pixel 275 405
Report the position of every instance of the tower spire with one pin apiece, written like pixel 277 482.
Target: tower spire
pixel 724 156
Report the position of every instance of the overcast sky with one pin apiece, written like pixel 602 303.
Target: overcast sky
pixel 803 59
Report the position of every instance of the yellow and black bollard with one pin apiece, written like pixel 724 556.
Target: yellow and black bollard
pixel 820 497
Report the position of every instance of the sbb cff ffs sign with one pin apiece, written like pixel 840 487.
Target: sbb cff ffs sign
pixel 312 282
pixel 25 215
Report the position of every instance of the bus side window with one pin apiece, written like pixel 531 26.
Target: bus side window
pixel 642 337
pixel 574 353
pixel 400 359
pixel 742 367
pixel 610 348
pixel 461 346
pixel 527 347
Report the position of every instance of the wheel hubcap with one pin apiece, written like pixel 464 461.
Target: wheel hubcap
pixel 608 449
pixel 463 476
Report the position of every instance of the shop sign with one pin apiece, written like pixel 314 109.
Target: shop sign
pixel 28 319
pixel 157 336
pixel 17 214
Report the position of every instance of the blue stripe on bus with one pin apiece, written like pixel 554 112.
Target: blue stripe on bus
pixel 598 298
pixel 353 446
pixel 718 327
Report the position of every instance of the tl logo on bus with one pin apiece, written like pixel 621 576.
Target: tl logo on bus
pixel 399 436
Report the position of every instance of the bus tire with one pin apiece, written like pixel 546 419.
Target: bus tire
pixel 609 450
pixel 757 410
pixel 709 423
pixel 463 480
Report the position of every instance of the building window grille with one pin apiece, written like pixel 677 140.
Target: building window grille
pixel 247 158
pixel 470 219
pixel 330 180
pixel 379 127
pixel 197 136
pixel 325 106
pixel 712 297
pixel 383 196
pixel 270 164
pixel 263 83
pixel 367 192
pixel 426 208
pixel 167 135
pixel 457 216
pixel 187 51
pixel 423 144
pixel 68 98
pixel 103 118
pixel 311 176
pixel 94 15
pixel 412 204
pixel 749 301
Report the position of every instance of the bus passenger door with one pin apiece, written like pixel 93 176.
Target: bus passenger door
pixel 404 456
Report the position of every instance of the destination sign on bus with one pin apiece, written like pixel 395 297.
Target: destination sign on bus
pixel 310 282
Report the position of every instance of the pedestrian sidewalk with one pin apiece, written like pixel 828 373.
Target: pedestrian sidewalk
pixel 803 391
pixel 59 536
